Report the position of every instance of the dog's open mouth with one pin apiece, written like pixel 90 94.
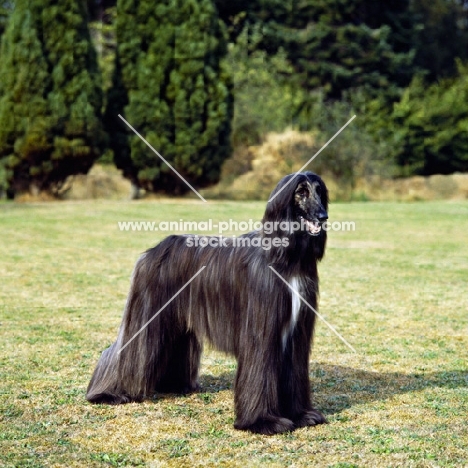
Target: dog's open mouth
pixel 311 227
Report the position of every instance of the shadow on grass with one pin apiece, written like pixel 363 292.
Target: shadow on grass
pixel 336 388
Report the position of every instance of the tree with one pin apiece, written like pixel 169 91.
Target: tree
pixel 170 85
pixel 264 98
pixel 102 28
pixel 442 36
pixel 334 45
pixel 430 126
pixel 51 98
pixel 5 11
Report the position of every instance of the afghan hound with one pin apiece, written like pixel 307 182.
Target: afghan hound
pixel 249 301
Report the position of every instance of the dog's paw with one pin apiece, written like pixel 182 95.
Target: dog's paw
pixel 310 418
pixel 113 398
pixel 191 388
pixel 178 388
pixel 268 425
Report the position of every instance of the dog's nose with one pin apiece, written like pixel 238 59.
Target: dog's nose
pixel 323 216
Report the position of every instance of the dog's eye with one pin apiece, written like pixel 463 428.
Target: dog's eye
pixel 303 192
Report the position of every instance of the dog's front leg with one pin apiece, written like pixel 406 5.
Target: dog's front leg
pixel 256 391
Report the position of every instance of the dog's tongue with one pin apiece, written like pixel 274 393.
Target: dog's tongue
pixel 313 228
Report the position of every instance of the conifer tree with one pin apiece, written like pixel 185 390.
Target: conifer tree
pixel 50 96
pixel 429 126
pixel 170 85
pixel 339 45
pixel 4 13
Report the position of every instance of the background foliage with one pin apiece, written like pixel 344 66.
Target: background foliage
pixel 432 126
pixel 307 65
pixel 169 83
pixel 50 96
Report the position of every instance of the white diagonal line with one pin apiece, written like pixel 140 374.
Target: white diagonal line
pixel 313 309
pixel 161 309
pixel 313 157
pixel 144 140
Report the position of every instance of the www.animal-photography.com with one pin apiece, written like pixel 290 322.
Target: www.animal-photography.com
pixel 234 233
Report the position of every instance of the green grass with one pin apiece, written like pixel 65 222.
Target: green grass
pixel 396 289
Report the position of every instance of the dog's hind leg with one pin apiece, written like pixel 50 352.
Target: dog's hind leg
pixel 183 362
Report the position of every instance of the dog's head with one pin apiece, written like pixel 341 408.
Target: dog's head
pixel 300 199
pixel 310 203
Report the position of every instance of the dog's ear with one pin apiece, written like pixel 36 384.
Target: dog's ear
pixel 321 239
pixel 323 194
pixel 280 206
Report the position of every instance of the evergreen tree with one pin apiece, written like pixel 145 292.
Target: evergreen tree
pixel 430 126
pixel 169 84
pixel 5 10
pixel 50 96
pixel 442 37
pixel 24 113
pixel 334 45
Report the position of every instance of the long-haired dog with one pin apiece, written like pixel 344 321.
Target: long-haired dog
pixel 243 302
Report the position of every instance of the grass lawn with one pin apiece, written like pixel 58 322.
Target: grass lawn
pixel 396 288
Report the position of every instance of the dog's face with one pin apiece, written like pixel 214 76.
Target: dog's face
pixel 310 203
pixel 302 199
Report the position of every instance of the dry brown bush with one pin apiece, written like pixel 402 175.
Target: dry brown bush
pixel 101 182
pixel 252 172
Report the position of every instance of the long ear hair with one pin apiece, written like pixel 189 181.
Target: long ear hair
pixel 321 239
pixel 279 213
pixel 280 206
